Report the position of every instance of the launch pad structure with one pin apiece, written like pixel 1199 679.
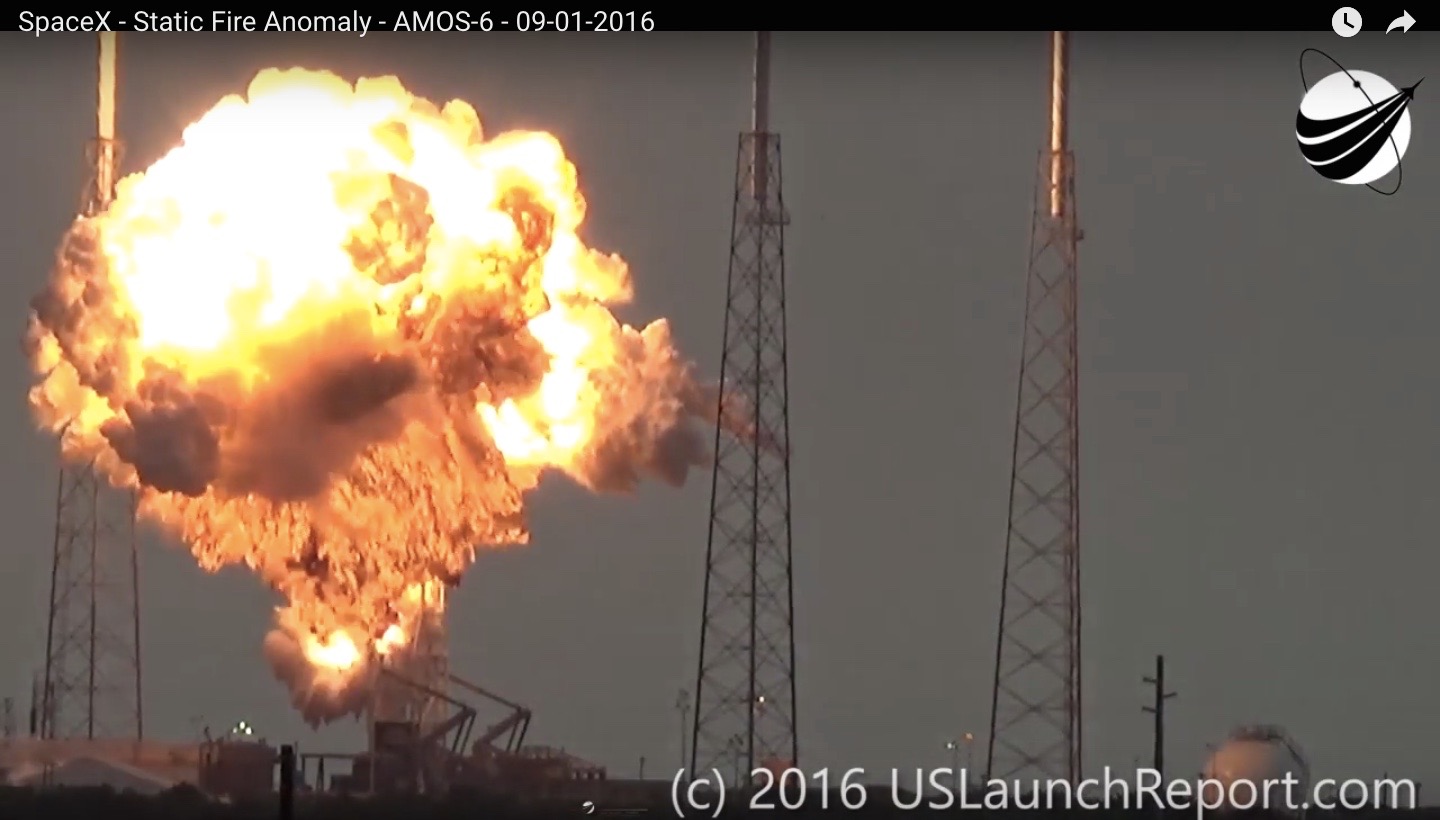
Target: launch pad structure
pixel 415 690
pixel 91 687
pixel 1035 717
pixel 744 715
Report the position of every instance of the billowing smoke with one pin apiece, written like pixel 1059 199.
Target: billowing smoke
pixel 335 336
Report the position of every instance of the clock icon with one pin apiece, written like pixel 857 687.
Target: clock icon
pixel 1346 22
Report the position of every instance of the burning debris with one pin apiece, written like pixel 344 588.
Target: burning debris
pixel 335 336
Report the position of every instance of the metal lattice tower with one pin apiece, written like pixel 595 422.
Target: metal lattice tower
pixel 92 678
pixel 1035 726
pixel 745 687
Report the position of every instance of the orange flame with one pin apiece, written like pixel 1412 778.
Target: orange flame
pixel 335 336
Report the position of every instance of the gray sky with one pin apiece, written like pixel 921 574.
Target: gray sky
pixel 1257 381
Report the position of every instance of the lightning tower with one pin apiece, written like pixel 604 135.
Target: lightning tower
pixel 91 687
pixel 745 686
pixel 1035 726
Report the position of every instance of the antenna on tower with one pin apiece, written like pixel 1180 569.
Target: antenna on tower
pixel 1035 726
pixel 760 117
pixel 744 714
pixel 106 144
pixel 1059 122
pixel 92 677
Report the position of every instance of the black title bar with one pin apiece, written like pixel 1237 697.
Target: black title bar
pixel 605 19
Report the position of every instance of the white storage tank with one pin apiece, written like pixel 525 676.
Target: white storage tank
pixel 1249 758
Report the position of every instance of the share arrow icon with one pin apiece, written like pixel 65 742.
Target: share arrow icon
pixel 1403 22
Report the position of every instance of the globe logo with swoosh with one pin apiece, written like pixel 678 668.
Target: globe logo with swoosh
pixel 1353 126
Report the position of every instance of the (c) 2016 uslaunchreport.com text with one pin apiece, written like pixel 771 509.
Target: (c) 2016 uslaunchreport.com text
pixel 939 788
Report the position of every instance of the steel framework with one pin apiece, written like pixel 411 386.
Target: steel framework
pixel 92 677
pixel 744 713
pixel 426 661
pixel 1035 717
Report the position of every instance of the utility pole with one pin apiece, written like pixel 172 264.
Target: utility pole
pixel 1158 710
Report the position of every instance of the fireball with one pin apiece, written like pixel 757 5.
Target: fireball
pixel 336 335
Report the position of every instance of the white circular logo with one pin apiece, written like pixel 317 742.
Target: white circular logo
pixel 1354 126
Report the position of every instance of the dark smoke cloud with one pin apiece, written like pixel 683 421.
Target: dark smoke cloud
pixel 327 399
pixel 662 440
pixel 78 309
pixel 168 436
pixel 318 696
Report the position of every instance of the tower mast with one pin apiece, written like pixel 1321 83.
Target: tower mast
pixel 1035 716
pixel 92 678
pixel 745 687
